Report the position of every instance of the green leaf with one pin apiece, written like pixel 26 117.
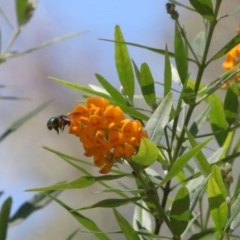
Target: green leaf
pixel 90 225
pixel 237 182
pixel 127 229
pixel 142 217
pixel 79 87
pixel 12 98
pixel 204 8
pixel 136 70
pixel 129 110
pixel 4 218
pixel 72 235
pixel 217 204
pixel 156 50
pixel 18 123
pixel 232 43
pixel 188 95
pixel 197 186
pixel 147 153
pixel 234 220
pixel 80 164
pixel 159 119
pixel 123 64
pixel 181 162
pixel 180 213
pixel 146 82
pixel 115 94
pixel 111 203
pixel 201 160
pixel 38 201
pixel 199 43
pixel 48 43
pixel 81 182
pixel 200 119
pixel 24 10
pixel 118 191
pixel 86 222
pixel 231 104
pixel 217 118
pixel 216 174
pixel 167 74
pixel 181 53
pixel 203 235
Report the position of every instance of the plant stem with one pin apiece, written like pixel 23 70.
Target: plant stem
pixel 151 198
pixel 201 70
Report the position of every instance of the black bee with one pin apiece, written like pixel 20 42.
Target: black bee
pixel 58 122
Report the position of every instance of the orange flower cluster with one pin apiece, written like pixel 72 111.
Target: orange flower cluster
pixel 231 59
pixel 105 133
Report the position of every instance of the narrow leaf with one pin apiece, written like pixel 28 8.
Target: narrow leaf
pixel 200 119
pixel 198 187
pixel 79 87
pixel 159 119
pixel 217 118
pixel 232 43
pixel 38 201
pixel 17 124
pixel 4 217
pixel 167 74
pixel 111 203
pixel 86 222
pixel 129 110
pixel 115 94
pixel 216 174
pixel 201 160
pixel 72 235
pixel 136 71
pixel 237 182
pixel 217 204
pixel 12 98
pixel 180 213
pixel 142 218
pixel 123 64
pixel 203 235
pixel 24 10
pixel 234 220
pixel 204 8
pixel 181 55
pixel 199 43
pixel 48 43
pixel 231 104
pixel 127 229
pixel 181 162
pixel 156 50
pixel 188 95
pixel 81 182
pixel 146 82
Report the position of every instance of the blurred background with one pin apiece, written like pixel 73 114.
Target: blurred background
pixel 24 164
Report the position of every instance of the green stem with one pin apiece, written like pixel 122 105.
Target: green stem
pixel 202 67
pixel 151 196
pixel 12 40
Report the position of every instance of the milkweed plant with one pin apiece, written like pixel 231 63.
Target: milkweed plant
pixel 179 148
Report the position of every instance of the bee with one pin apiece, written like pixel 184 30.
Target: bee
pixel 58 122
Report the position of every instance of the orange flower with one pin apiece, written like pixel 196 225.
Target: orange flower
pixel 231 59
pixel 105 133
